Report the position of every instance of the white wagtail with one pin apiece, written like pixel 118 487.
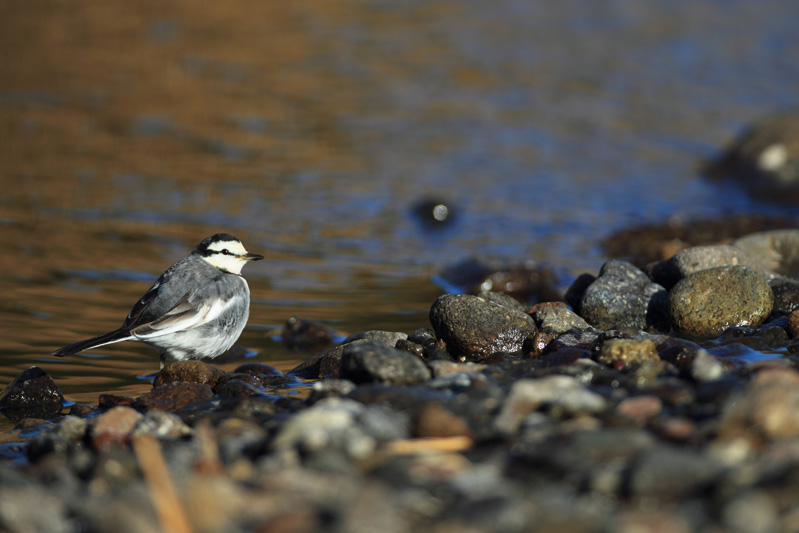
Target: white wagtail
pixel 197 308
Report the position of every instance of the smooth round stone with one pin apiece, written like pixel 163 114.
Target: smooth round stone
pixel 706 303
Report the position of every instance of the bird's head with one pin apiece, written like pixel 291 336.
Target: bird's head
pixel 225 252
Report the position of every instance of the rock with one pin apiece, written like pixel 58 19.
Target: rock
pixel 707 303
pixel 786 295
pixel 775 250
pixel 561 394
pixel 619 353
pixel 640 409
pixel 374 361
pixel 239 386
pixel 107 401
pixel 32 394
pixel 768 407
pixel 306 335
pixel 161 425
pixel 68 434
pixel 574 294
pixel 623 296
pixel 434 421
pixel 765 158
pixel 171 396
pixel 114 428
pixel 686 262
pixel 555 318
pixel 502 299
pixel 473 328
pixel 672 473
pixel 524 281
pixel 328 388
pixel 387 337
pixel 792 326
pixel 191 371
pixel 33 509
pixel 326 364
pixel 338 425
pixel 705 367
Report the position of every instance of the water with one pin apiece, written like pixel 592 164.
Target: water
pixel 311 129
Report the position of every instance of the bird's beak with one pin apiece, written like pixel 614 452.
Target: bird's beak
pixel 252 257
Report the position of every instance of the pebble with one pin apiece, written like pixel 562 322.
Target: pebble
pixel 776 250
pixel 707 303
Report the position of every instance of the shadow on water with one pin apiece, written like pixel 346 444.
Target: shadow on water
pixel 312 129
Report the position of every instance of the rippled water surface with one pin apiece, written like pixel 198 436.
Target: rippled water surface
pixel 130 131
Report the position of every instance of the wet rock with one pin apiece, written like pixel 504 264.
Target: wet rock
pixel 623 296
pixel 502 299
pixel 387 337
pixel 306 335
pixel 473 328
pixel 686 262
pixel 239 386
pixel 707 303
pixel 786 295
pixel 556 318
pixel 32 394
pixel 107 401
pixel 171 396
pixel 326 364
pixel 113 428
pixel 776 250
pixel 768 407
pixel 374 361
pixel 619 353
pixel 764 158
pixel 189 371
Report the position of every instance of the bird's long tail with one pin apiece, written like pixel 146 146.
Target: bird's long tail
pixel 101 340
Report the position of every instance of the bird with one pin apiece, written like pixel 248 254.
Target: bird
pixel 196 309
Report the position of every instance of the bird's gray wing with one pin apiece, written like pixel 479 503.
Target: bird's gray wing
pixel 187 313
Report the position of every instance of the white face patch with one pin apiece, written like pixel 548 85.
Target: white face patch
pixel 231 261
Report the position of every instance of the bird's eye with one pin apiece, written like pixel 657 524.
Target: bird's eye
pixel 225 251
